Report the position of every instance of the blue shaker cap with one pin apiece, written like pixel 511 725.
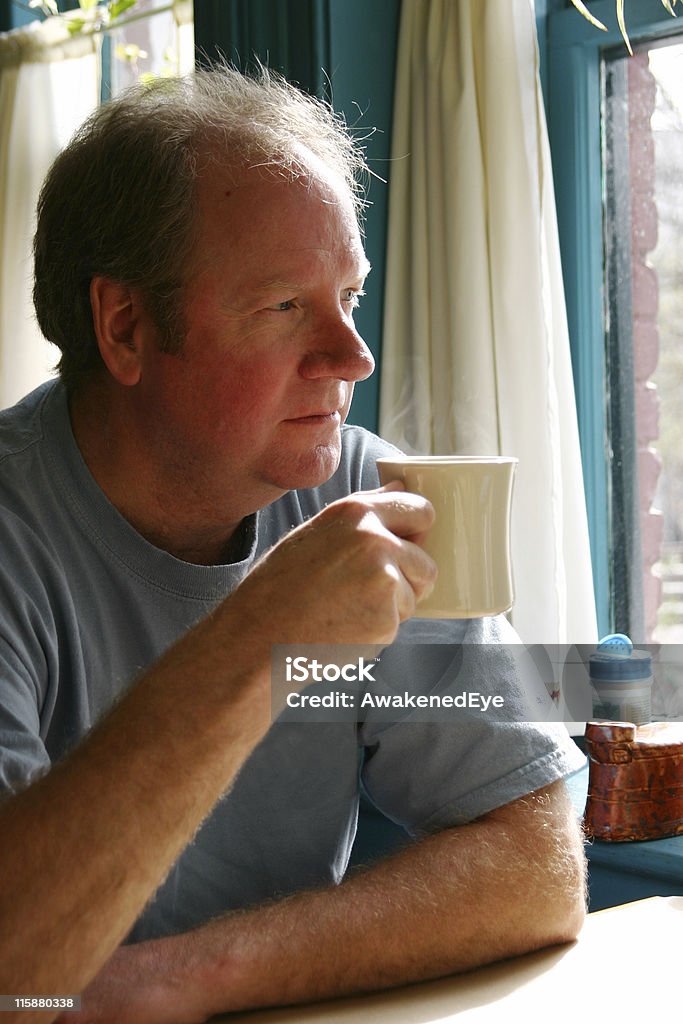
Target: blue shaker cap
pixel 617 644
pixel 615 660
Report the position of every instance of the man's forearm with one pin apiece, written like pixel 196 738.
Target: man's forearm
pixel 508 883
pixel 85 847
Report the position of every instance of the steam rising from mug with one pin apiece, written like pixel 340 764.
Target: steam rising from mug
pixel 470 538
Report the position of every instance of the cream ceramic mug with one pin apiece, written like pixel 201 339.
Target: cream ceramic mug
pixel 470 538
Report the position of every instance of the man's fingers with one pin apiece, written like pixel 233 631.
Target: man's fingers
pixel 407 517
pixel 393 485
pixel 418 570
pixel 402 512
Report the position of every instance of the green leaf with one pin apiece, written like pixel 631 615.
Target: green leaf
pixel 622 25
pixel 117 7
pixel 582 9
pixel 87 5
pixel 74 25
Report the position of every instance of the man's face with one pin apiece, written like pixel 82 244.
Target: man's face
pixel 265 376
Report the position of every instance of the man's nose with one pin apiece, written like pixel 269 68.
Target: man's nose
pixel 338 351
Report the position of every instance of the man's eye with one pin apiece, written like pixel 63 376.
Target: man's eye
pixel 352 296
pixel 282 307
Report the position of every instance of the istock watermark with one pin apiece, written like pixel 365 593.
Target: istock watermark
pixel 425 682
pixel 302 669
pixel 322 682
pixel 420 682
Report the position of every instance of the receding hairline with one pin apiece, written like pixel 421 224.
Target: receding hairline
pixel 263 116
pixel 218 169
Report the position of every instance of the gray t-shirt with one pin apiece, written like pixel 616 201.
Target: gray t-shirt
pixel 86 604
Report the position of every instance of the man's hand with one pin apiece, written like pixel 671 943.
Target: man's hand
pixel 136 987
pixel 351 574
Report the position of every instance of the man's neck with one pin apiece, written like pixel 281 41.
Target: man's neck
pixel 167 512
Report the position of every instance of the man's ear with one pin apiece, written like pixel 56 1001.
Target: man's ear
pixel 117 311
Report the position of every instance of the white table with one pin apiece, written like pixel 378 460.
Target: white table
pixel 626 966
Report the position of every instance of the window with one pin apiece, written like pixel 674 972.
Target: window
pixel 614 129
pixel 53 75
pixel 153 38
pixel 642 117
pixel 147 37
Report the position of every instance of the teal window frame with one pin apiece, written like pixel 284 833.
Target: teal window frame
pixel 572 65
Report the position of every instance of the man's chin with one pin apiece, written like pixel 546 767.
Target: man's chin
pixel 311 469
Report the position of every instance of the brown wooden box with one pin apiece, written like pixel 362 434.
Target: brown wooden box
pixel 635 781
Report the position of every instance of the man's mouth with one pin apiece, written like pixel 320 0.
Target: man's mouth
pixel 315 418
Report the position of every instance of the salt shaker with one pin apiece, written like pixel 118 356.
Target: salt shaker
pixel 621 681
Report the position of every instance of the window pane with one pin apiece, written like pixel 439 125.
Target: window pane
pixel 666 67
pixel 643 150
pixel 155 38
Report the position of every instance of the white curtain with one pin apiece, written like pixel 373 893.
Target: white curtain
pixel 48 85
pixel 475 355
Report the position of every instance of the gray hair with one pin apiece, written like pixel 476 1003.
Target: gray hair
pixel 119 201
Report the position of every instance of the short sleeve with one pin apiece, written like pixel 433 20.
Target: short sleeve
pixel 433 769
pixel 23 756
pixel 28 655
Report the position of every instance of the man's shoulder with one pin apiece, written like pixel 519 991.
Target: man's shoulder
pixel 357 468
pixel 26 473
pixel 358 442
pixel 21 427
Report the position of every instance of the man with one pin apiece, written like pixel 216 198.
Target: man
pixel 198 260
